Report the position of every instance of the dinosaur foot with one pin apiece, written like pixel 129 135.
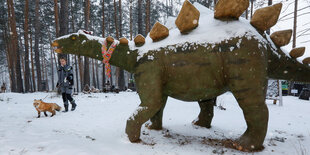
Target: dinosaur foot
pixel 153 126
pixel 242 146
pixel 201 123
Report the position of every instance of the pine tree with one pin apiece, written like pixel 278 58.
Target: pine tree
pixel 56 17
pixel 15 48
pixel 148 14
pixel 86 78
pixel 103 35
pixel 36 45
pixel 140 29
pixel 295 23
pixel 27 69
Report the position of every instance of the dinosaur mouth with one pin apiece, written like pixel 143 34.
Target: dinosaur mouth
pixel 56 47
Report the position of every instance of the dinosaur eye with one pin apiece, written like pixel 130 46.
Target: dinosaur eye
pixel 73 37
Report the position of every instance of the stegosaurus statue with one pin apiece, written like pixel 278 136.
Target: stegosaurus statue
pixel 200 57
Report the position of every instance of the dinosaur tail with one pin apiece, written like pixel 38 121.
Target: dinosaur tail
pixel 284 67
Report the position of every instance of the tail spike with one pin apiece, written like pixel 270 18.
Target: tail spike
pixel 297 52
pixel 265 18
pixel 306 61
pixel 281 38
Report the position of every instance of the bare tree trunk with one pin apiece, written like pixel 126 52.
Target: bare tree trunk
pixel 32 66
pixel 52 63
pixel 247 13
pixel 7 40
pixel 130 18
pixel 43 69
pixel 46 74
pixel 23 64
pixel 27 70
pixel 94 75
pixel 36 45
pixel 63 22
pixel 81 72
pixel 76 74
pixel 56 17
pixel 140 29
pixel 97 74
pixel 86 78
pixel 15 48
pixel 295 24
pixel 121 78
pixel 103 35
pixel 147 20
pixel 10 51
pixel 52 68
pixel 291 83
pixel 117 37
pixel 252 7
pixel 120 18
pixel 75 57
pixel 269 3
pixel 115 19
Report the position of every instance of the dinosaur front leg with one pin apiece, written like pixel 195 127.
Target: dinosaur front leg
pixel 206 113
pixel 157 119
pixel 252 102
pixel 150 93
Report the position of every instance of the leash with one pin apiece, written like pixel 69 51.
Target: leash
pixel 45 97
pixel 107 54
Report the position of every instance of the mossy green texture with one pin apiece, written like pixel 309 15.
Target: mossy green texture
pixel 200 72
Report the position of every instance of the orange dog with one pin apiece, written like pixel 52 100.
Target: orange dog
pixel 44 107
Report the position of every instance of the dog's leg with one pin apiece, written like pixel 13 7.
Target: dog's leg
pixel 53 113
pixel 39 114
pixel 45 114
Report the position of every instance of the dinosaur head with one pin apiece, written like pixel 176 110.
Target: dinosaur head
pixel 81 43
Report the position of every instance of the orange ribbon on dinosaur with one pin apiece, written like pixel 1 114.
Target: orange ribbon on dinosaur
pixel 107 54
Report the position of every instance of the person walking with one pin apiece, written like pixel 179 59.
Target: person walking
pixel 65 83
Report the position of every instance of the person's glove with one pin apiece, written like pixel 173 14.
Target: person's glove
pixel 70 79
pixel 57 85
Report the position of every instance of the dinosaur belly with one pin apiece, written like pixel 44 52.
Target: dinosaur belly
pixel 194 80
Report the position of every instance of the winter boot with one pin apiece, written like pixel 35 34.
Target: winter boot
pixel 66 108
pixel 73 105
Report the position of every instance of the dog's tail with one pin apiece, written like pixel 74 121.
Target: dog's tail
pixel 57 107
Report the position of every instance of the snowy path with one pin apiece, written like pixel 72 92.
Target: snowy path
pixel 98 127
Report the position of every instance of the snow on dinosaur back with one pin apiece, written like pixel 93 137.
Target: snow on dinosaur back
pixel 210 30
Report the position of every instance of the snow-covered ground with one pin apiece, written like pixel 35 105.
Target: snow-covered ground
pixel 98 127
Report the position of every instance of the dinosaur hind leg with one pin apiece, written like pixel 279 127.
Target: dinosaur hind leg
pixel 206 113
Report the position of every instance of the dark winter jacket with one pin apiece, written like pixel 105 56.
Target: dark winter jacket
pixel 65 76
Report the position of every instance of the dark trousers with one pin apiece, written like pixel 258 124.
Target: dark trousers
pixel 67 97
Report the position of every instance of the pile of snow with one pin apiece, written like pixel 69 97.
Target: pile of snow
pixel 98 127
pixel 209 31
